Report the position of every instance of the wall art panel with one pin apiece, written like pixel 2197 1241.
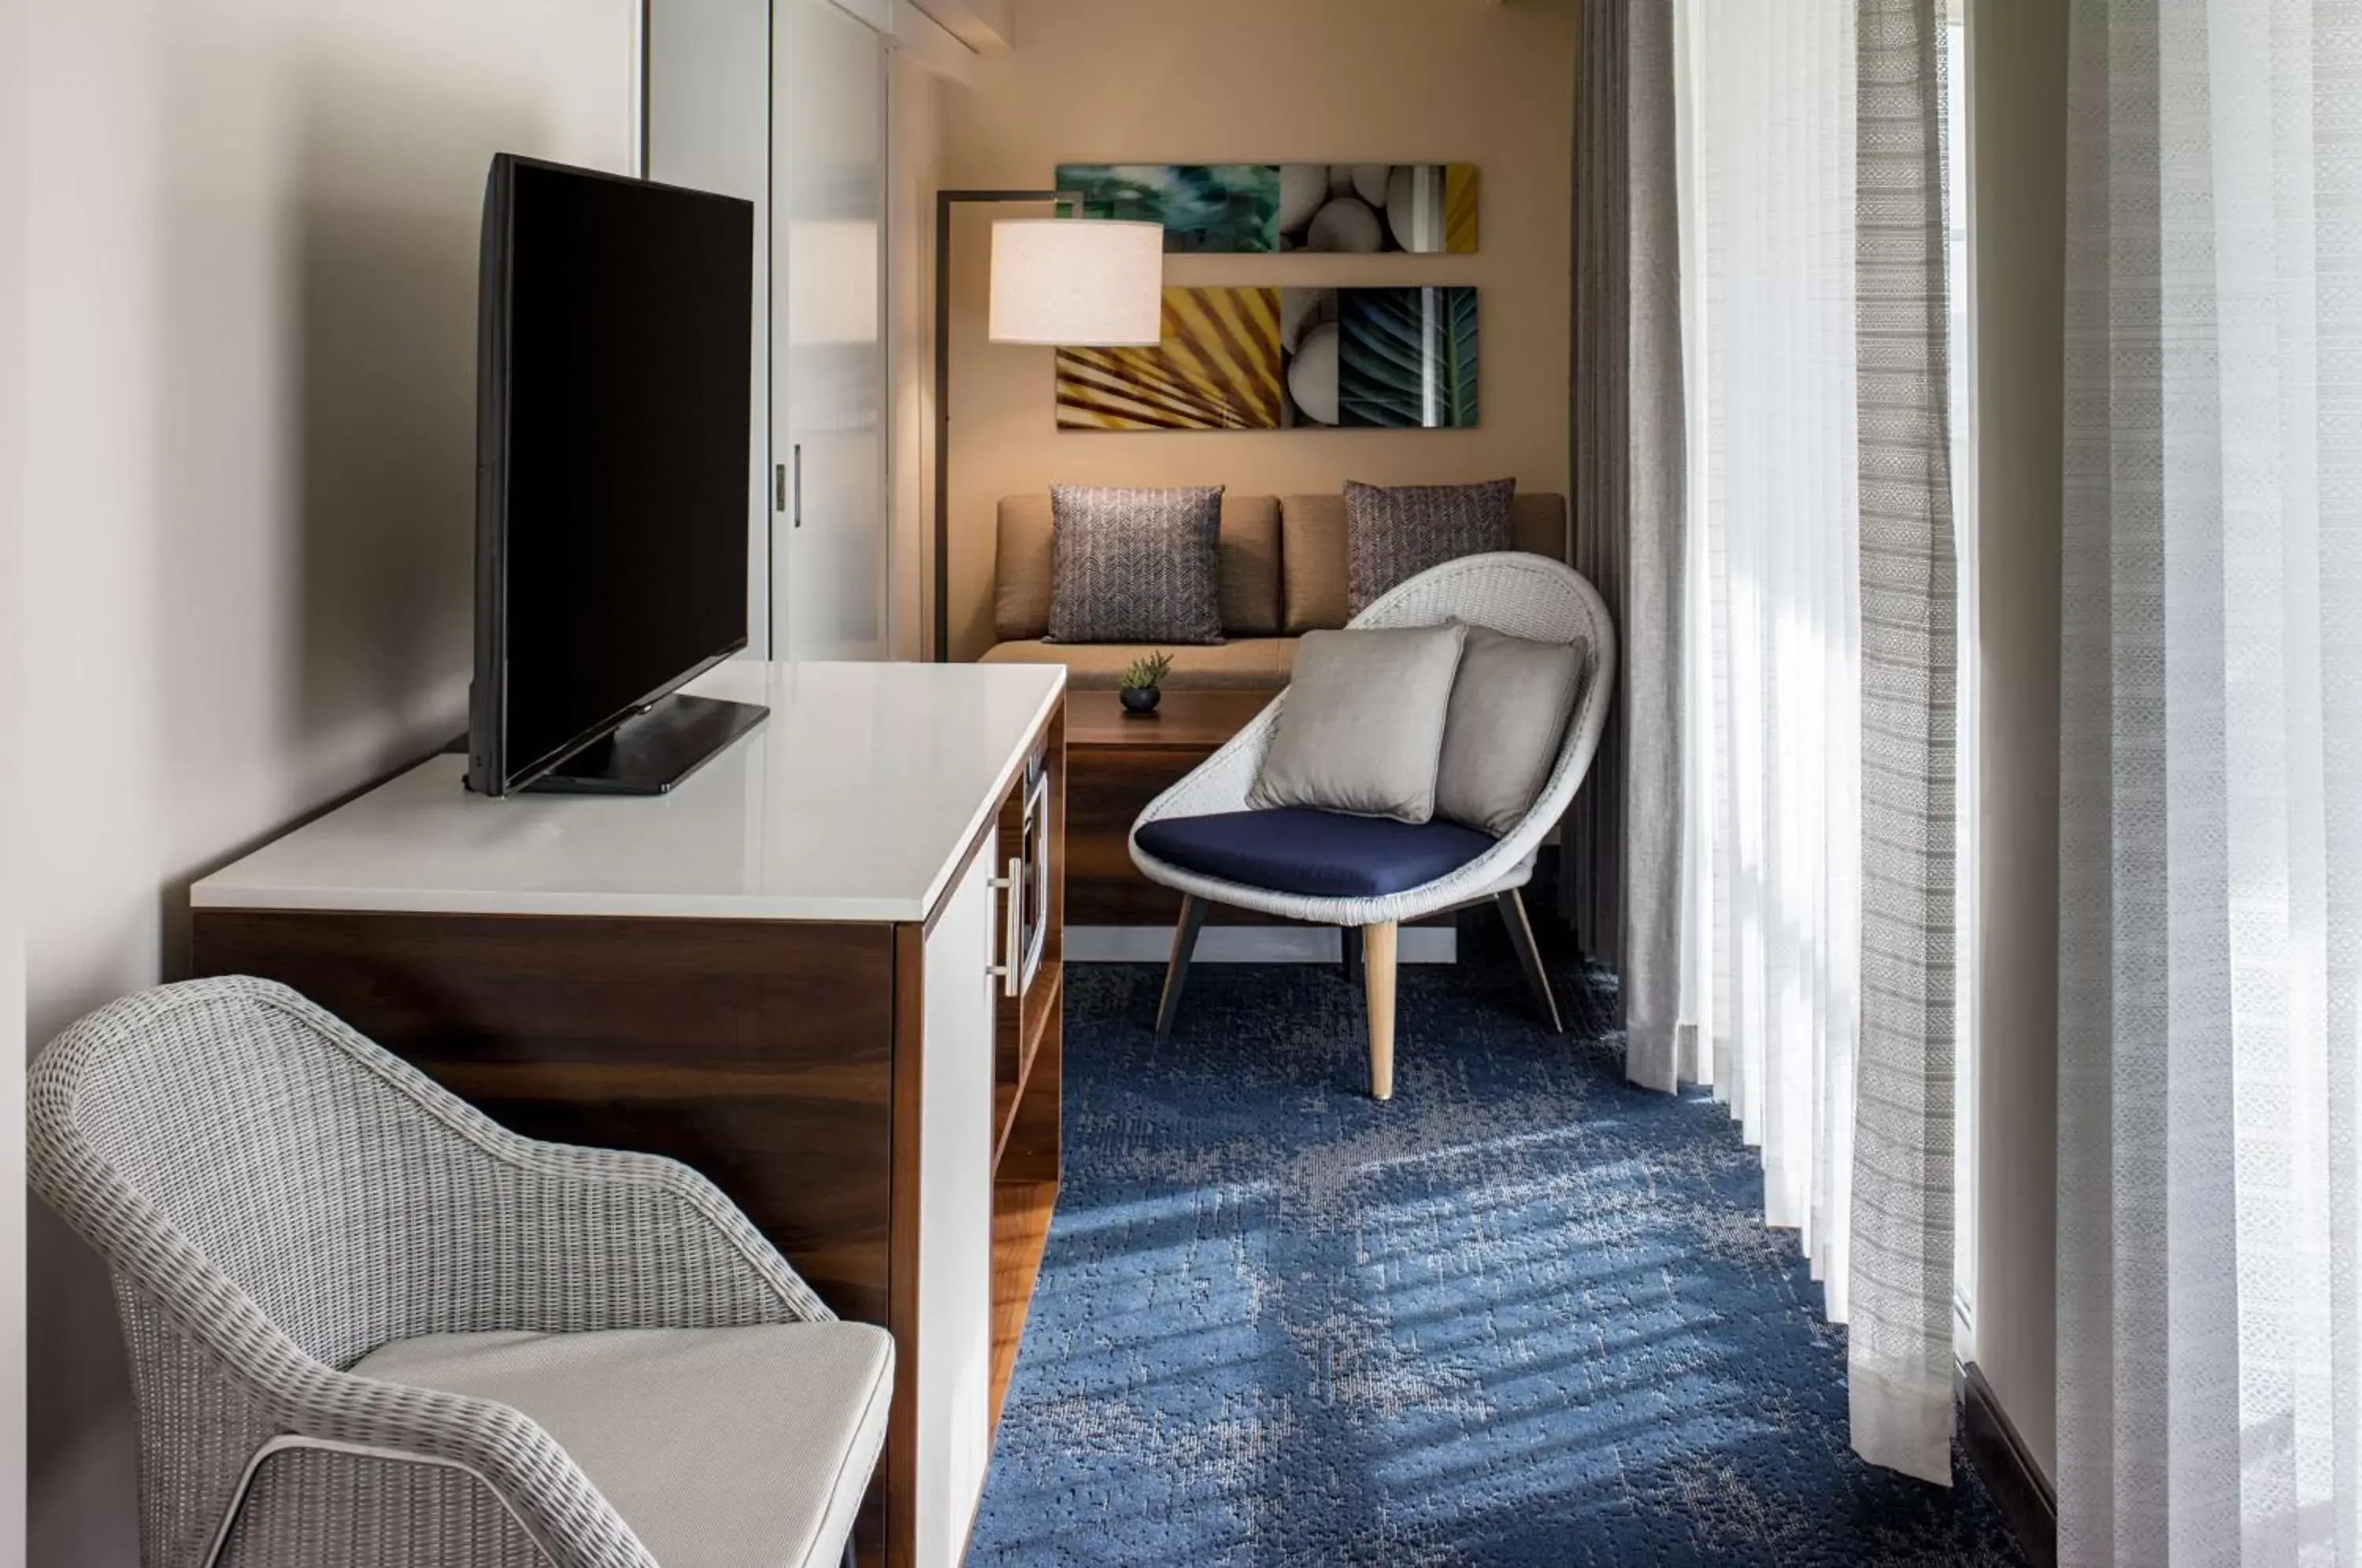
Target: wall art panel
pixel 1260 207
pixel 1267 358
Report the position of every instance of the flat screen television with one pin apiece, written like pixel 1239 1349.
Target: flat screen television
pixel 614 340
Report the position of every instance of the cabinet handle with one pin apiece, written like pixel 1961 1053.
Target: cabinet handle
pixel 797 452
pixel 1011 974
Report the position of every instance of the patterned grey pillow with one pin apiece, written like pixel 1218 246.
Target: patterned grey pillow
pixel 1136 566
pixel 1392 535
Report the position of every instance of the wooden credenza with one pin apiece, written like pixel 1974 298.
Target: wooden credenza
pixel 793 973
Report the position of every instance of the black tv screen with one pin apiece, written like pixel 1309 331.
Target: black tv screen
pixel 614 400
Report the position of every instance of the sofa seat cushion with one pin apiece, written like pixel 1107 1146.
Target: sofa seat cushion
pixel 1320 854
pixel 722 1448
pixel 1242 664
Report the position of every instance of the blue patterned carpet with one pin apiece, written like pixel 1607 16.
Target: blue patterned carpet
pixel 1521 1315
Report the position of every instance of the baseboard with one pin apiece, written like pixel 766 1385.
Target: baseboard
pixel 1250 944
pixel 2028 1502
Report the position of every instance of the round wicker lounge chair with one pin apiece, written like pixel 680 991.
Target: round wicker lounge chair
pixel 1520 594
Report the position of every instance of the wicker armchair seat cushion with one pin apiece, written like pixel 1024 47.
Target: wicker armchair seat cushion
pixel 722 1448
pixel 1320 854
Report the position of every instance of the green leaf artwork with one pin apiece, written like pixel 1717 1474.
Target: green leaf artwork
pixel 1262 207
pixel 1407 357
pixel 1203 206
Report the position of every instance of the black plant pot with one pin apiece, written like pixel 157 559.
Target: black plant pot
pixel 1140 699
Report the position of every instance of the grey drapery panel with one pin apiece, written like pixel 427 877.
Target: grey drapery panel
pixel 1590 854
pixel 1621 871
pixel 1900 1344
pixel 2210 958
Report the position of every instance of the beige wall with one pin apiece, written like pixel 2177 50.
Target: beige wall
pixel 247 562
pixel 1218 81
pixel 2017 74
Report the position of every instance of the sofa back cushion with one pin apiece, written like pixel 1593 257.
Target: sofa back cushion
pixel 1312 542
pixel 1246 555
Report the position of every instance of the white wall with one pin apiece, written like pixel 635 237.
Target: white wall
pixel 2017 74
pixel 246 566
pixel 13 319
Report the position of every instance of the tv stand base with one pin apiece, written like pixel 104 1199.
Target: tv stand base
pixel 653 750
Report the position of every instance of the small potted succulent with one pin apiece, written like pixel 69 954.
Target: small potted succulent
pixel 1139 690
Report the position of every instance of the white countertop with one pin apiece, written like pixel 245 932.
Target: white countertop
pixel 854 802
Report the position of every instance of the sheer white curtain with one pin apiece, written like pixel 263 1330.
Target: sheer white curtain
pixel 2210 1357
pixel 1775 746
pixel 1814 307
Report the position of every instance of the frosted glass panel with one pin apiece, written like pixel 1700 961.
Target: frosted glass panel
pixel 829 563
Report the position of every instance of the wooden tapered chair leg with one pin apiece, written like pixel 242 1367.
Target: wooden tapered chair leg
pixel 1176 967
pixel 1529 955
pixel 1378 988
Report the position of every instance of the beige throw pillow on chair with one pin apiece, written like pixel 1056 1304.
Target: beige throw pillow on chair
pixel 1509 710
pixel 1361 731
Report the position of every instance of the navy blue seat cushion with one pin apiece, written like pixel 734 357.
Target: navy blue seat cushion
pixel 1321 855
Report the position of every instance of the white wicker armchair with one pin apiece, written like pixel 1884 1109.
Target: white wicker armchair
pixel 1520 594
pixel 278 1199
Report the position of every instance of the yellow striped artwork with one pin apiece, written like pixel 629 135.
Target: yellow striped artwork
pixel 1460 208
pixel 1217 369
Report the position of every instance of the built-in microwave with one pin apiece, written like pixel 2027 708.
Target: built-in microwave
pixel 1026 914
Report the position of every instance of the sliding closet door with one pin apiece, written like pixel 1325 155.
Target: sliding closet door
pixel 828 356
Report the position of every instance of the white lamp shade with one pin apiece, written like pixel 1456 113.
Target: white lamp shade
pixel 1080 282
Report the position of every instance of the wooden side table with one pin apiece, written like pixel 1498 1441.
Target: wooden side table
pixel 1116 764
